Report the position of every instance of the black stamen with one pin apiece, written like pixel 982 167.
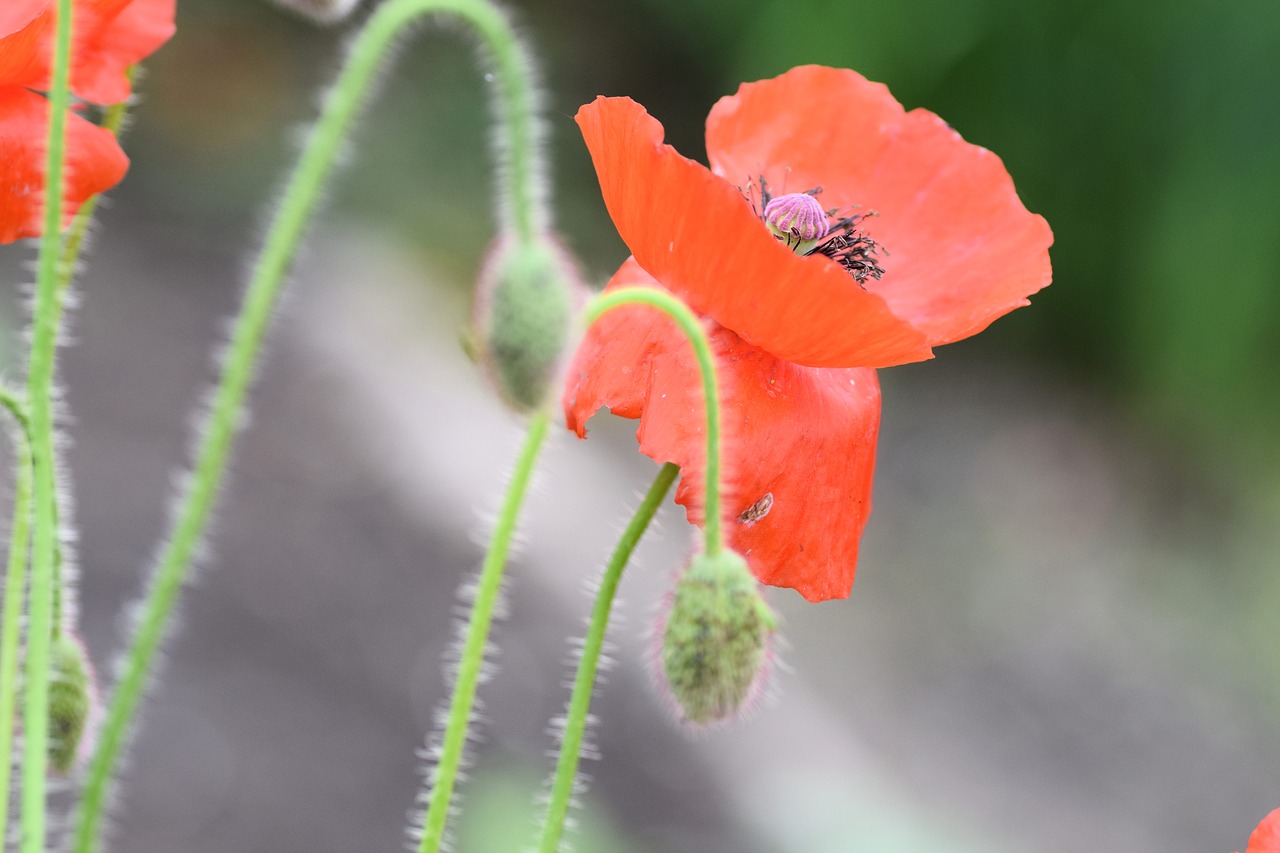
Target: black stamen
pixel 853 250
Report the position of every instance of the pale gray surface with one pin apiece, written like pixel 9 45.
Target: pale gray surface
pixel 1003 678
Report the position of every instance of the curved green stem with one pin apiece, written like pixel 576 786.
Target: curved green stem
pixel 692 327
pixel 40 399
pixel 575 725
pixel 584 681
pixel 477 636
pixel 300 198
pixel 15 585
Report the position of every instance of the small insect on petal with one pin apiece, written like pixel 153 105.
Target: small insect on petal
pixel 757 510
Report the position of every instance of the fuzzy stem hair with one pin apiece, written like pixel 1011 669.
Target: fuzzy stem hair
pixel 575 726
pixel 471 660
pixel 301 196
pixel 15 586
pixel 44 334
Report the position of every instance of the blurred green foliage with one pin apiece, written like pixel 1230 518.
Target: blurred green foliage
pixel 1147 134
pixel 500 815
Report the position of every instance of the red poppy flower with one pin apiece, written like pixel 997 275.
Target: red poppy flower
pixel 918 239
pixel 1266 838
pixel 108 37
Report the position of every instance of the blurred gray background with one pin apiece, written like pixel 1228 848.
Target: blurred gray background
pixel 1063 633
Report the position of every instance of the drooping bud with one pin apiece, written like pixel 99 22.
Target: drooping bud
pixel 525 299
pixel 715 645
pixel 322 11
pixel 72 701
pixel 798 220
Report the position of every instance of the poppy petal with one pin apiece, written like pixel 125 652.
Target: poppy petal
pixel 126 37
pixel 698 236
pixel 961 248
pixel 799 443
pixel 1266 838
pixel 110 36
pixel 21 29
pixel 16 14
pixel 94 162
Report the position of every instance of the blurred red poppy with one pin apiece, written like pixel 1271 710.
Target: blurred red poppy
pixel 108 36
pixel 924 242
pixel 1266 838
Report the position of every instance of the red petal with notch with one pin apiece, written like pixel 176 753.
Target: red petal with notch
pixel 697 235
pixel 94 162
pixel 1266 838
pixel 799 442
pixel 109 36
pixel 962 249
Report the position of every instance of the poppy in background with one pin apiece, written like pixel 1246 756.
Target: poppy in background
pixel 1266 838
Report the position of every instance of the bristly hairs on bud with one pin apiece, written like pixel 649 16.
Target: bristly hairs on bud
pixel 73 702
pixel 715 640
pixel 529 286
pixel 321 11
pixel 526 296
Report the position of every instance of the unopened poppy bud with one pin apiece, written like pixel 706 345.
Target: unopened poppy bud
pixel 323 11
pixel 798 220
pixel 525 299
pixel 72 701
pixel 716 640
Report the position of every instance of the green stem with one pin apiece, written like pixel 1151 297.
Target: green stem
pixel 15 584
pixel 300 198
pixel 112 120
pixel 40 399
pixel 477 636
pixel 692 327
pixel 523 206
pixel 575 726
pixel 72 243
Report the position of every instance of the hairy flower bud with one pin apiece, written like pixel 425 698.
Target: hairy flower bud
pixel 323 11
pixel 72 700
pixel 715 643
pixel 798 220
pixel 525 300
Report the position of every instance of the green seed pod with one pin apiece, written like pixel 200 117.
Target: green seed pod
pixel 72 696
pixel 715 645
pixel 525 299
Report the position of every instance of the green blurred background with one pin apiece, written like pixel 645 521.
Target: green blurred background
pixel 1064 632
pixel 1145 133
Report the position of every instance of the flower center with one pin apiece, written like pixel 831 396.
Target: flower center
pixel 797 220
pixel 800 221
